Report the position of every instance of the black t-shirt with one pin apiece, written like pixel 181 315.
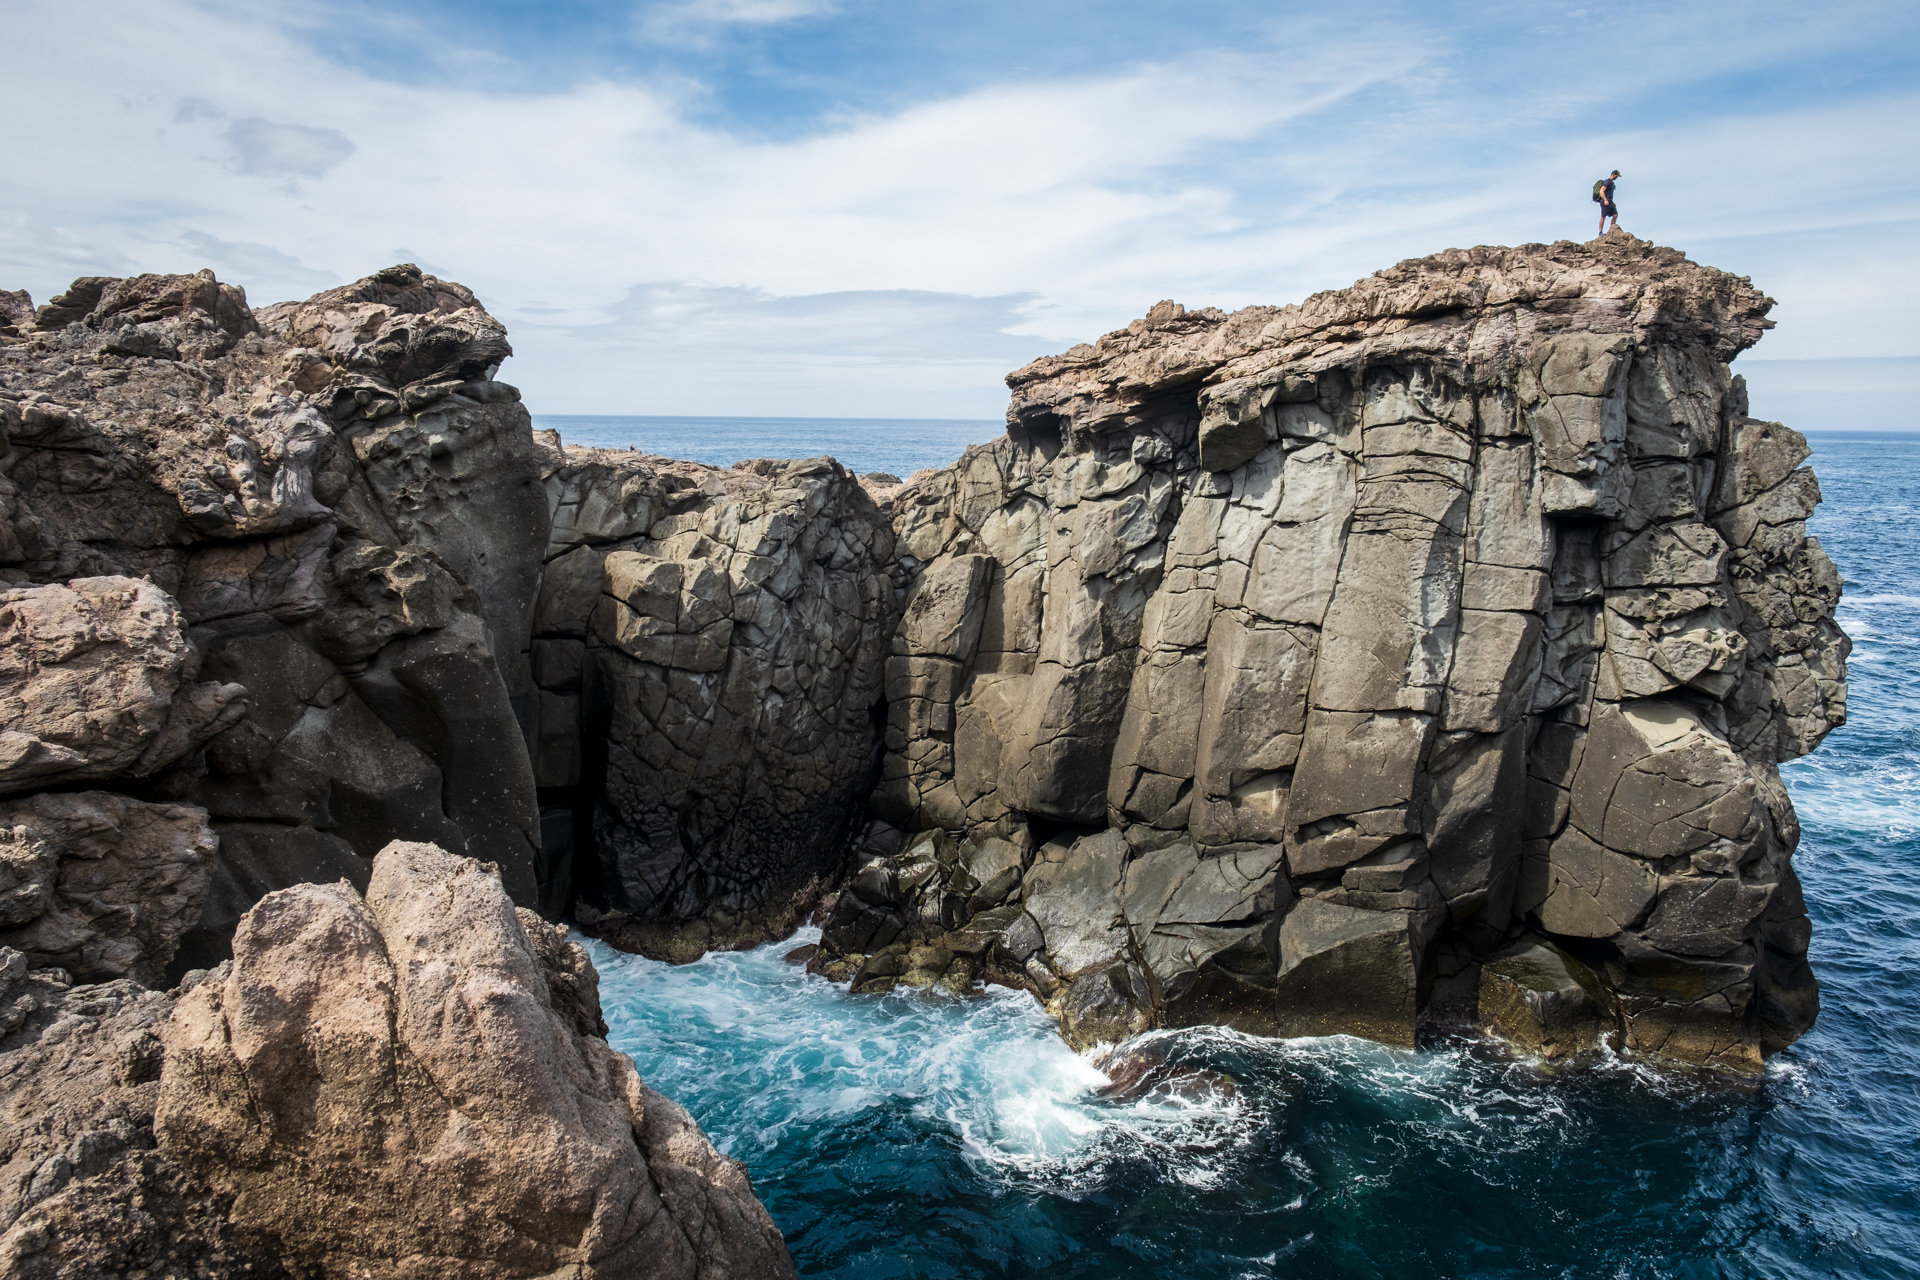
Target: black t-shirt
pixel 1606 187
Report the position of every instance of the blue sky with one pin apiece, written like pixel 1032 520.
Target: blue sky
pixel 812 207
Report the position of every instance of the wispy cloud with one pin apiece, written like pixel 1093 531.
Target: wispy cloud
pixel 693 349
pixel 657 250
pixel 285 150
pixel 699 21
pixel 275 276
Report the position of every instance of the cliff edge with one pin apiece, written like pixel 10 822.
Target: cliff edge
pixel 1421 652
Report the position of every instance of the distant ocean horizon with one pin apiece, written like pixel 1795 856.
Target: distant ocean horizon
pixel 897 446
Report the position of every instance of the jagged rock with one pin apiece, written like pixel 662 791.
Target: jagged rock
pixel 1268 657
pixel 83 1191
pixel 99 885
pixel 1470 597
pixel 329 507
pixel 408 1085
pixel 710 648
pixel 97 681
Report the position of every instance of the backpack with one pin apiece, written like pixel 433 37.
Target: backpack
pixel 1600 191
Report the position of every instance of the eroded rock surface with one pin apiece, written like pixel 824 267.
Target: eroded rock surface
pixel 406 1085
pixel 279 565
pixel 101 886
pixel 709 648
pixel 1278 663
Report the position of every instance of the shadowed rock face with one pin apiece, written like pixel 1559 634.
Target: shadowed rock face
pixel 411 1084
pixel 709 649
pixel 1279 665
pixel 280 566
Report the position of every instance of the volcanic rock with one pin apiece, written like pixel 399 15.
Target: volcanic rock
pixel 99 885
pixel 279 566
pixel 407 1085
pixel 1287 649
pixel 710 649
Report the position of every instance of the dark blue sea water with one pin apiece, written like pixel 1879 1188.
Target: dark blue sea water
pixel 907 1137
pixel 897 446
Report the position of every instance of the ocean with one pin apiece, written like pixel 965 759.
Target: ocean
pixel 897 446
pixel 906 1136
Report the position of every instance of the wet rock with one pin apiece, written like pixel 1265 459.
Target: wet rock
pixel 1140 1069
pixel 1546 1003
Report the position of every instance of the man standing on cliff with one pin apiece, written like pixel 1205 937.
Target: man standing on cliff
pixel 1603 196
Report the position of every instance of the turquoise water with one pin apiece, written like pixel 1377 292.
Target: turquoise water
pixel 913 1137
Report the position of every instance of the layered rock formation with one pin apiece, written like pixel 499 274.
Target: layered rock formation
pixel 709 648
pixel 277 566
pixel 1279 666
pixel 1419 654
pixel 410 1085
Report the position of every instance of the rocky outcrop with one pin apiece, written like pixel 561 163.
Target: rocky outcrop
pixel 1280 665
pixel 96 681
pixel 709 648
pixel 406 1085
pixel 84 1192
pixel 280 566
pixel 101 886
pixel 1287 668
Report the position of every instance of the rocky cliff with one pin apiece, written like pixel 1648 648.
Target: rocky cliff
pixel 267 594
pixel 1419 656
pixel 1309 668
pixel 279 567
pixel 710 649
pixel 410 1084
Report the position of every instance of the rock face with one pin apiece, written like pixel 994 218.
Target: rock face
pixel 101 886
pixel 710 649
pixel 408 1085
pixel 1278 669
pixel 277 565
pixel 1279 664
pixel 96 681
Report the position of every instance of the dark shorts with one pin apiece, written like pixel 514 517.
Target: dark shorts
pixel 1608 211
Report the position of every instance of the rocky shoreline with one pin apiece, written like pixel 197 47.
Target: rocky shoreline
pixel 1415 658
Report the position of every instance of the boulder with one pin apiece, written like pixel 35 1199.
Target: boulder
pixel 1545 1002
pixel 97 681
pixel 334 1087
pixel 414 1083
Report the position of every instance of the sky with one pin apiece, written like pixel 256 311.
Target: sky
pixel 877 209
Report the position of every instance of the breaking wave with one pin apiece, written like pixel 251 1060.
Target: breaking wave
pixel 914 1136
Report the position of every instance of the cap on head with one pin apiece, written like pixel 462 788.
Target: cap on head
pixel 1615 173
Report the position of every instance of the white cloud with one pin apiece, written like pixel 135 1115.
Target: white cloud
pixel 288 150
pixel 893 262
pixel 681 348
pixel 697 22
pixel 275 276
